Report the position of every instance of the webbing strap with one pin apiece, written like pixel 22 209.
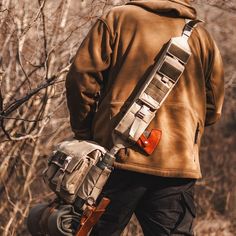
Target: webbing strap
pixel 172 65
pixel 164 76
pixel 189 26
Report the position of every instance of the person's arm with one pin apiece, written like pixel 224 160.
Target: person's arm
pixel 214 88
pixel 84 80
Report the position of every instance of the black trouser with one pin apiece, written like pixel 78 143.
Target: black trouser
pixel 163 206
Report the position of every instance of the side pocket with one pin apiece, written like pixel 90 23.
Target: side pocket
pixel 185 223
pixel 196 142
pixel 197 133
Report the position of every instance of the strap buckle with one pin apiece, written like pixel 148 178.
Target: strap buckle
pixel 142 112
pixel 66 163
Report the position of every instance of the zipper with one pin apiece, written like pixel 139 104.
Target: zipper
pixel 197 133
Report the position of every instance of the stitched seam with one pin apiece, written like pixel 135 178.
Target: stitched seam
pixel 208 80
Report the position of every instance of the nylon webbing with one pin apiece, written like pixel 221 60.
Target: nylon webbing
pixel 164 76
pixel 172 67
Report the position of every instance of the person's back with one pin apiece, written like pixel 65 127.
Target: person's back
pixel 113 61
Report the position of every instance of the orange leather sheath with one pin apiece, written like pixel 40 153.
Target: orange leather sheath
pixel 148 144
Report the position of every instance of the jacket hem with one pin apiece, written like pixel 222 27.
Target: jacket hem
pixel 159 172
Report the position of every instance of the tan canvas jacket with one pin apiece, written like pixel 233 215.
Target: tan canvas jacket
pixel 115 58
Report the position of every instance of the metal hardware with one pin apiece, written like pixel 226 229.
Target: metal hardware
pixel 142 112
pixel 66 163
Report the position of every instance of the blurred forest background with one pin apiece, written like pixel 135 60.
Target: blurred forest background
pixel 38 39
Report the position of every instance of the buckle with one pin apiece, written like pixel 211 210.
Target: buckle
pixel 148 100
pixel 142 112
pixel 171 68
pixel 58 158
pixel 66 163
pixel 187 30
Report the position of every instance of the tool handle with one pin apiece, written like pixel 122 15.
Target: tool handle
pixel 91 216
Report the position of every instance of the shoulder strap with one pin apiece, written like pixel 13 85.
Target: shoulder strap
pixel 189 26
pixel 162 79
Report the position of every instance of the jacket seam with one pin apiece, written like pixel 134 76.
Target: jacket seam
pixel 208 80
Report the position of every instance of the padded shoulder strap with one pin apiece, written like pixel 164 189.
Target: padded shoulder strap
pixel 162 79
